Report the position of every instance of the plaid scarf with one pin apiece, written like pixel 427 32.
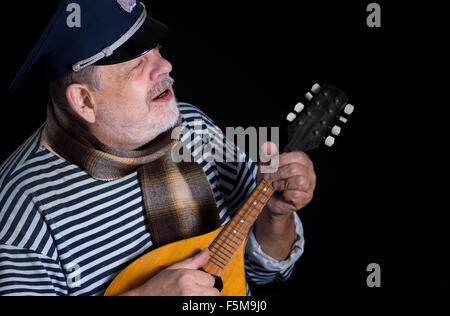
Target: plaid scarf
pixel 177 197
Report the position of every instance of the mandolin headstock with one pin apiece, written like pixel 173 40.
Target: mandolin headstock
pixel 319 120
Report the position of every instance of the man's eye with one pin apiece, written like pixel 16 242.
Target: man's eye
pixel 138 65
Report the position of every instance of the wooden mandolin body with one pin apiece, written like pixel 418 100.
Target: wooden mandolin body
pixel 147 266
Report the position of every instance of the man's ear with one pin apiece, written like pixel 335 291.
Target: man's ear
pixel 81 101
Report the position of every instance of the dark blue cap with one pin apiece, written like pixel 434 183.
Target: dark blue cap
pixel 92 32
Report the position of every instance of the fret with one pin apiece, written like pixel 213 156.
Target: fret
pixel 225 237
pixel 237 229
pixel 219 252
pixel 217 257
pixel 234 236
pixel 249 218
pixel 265 195
pixel 244 222
pixel 226 242
pixel 230 252
pixel 225 248
pixel 228 237
pixel 216 262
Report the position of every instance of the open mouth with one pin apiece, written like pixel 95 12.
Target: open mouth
pixel 162 95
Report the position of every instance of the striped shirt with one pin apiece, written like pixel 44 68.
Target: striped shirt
pixel 63 232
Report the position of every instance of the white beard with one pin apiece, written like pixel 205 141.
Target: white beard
pixel 165 118
pixel 122 135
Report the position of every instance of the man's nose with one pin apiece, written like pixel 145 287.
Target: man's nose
pixel 161 67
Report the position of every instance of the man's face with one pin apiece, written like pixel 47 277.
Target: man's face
pixel 131 110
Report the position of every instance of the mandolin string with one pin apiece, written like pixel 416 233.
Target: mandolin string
pixel 227 236
pixel 258 197
pixel 257 207
pixel 250 213
pixel 241 222
pixel 255 197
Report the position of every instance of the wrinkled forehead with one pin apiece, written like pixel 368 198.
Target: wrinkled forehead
pixel 117 71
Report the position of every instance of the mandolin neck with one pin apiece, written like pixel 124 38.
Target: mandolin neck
pixel 235 232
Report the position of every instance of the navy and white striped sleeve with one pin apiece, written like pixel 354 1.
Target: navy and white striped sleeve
pixel 29 265
pixel 261 268
pixel 27 273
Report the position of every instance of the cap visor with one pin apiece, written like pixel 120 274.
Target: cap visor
pixel 145 39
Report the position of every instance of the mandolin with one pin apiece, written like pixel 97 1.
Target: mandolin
pixel 310 125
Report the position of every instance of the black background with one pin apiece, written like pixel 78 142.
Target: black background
pixel 248 65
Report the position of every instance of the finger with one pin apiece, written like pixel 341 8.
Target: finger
pixel 296 157
pixel 269 149
pixel 206 291
pixel 277 202
pixel 297 198
pixel 269 159
pixel 301 183
pixel 202 278
pixel 194 262
pixel 288 171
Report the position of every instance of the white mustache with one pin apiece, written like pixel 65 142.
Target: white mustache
pixel 160 88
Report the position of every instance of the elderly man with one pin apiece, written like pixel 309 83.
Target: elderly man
pixel 78 199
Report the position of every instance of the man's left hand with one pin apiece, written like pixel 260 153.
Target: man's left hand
pixel 294 181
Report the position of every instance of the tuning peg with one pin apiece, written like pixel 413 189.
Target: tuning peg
pixel 329 141
pixel 315 88
pixel 291 117
pixel 343 119
pixel 299 107
pixel 308 96
pixel 336 130
pixel 349 109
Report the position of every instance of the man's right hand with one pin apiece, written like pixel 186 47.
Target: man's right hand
pixel 180 279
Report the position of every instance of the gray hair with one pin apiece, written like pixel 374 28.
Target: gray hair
pixel 89 76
